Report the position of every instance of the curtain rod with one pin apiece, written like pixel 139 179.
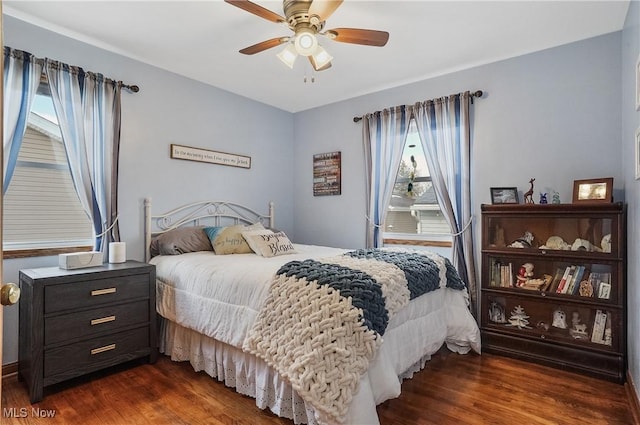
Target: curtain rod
pixel 132 88
pixel 477 93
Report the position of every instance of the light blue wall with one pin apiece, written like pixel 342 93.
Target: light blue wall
pixel 170 109
pixel 631 122
pixel 553 115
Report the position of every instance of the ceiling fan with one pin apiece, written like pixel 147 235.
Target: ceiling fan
pixel 306 18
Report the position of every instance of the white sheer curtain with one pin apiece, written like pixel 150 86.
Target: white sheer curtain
pixel 22 73
pixel 384 135
pixel 443 126
pixel 88 110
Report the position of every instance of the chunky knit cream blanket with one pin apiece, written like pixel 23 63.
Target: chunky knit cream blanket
pixel 310 331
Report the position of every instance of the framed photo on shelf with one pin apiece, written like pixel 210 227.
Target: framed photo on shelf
pixel 504 195
pixel 593 190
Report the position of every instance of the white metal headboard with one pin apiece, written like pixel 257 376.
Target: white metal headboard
pixel 214 213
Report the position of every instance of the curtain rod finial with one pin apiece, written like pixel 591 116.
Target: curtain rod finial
pixel 357 119
pixel 134 88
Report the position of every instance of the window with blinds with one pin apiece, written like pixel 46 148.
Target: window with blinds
pixel 41 207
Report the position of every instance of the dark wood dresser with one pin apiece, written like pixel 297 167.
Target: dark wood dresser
pixel 73 322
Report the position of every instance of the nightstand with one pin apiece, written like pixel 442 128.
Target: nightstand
pixel 73 322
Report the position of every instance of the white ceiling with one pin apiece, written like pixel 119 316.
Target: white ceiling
pixel 201 39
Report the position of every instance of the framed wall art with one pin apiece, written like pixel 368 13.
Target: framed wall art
pixel 326 174
pixel 637 148
pixel 593 190
pixel 504 195
pixel 638 84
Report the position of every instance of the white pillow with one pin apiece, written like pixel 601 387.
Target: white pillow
pixel 268 243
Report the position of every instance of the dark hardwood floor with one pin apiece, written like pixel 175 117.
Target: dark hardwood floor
pixel 452 389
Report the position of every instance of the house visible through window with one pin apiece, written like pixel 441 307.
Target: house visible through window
pixel 414 213
pixel 41 207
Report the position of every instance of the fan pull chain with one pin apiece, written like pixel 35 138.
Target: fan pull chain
pixel 313 77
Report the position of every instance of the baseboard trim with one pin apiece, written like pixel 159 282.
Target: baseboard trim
pixel 9 369
pixel 632 395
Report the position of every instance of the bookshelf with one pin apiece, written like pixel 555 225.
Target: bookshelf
pixel 553 285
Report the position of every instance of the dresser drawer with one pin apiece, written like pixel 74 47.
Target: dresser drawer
pixel 95 292
pixel 85 356
pixel 90 322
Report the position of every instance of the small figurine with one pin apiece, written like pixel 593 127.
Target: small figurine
pixel 556 198
pixel 559 319
pixel 585 290
pixel 519 318
pixel 524 274
pixel 528 195
pixel 496 313
pixel 578 330
pixel 543 326
pixel 524 241
pixel 584 245
pixel 543 198
pixel 605 243
pixel 556 242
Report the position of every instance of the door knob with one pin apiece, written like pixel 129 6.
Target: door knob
pixel 9 294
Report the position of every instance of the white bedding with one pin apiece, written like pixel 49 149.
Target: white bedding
pixel 209 323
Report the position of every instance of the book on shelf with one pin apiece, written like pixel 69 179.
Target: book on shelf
pixel 556 279
pixel 601 283
pixel 566 277
pixel 501 274
pixel 608 333
pixel 599 327
pixel 575 283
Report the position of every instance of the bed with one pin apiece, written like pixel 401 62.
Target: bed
pixel 278 328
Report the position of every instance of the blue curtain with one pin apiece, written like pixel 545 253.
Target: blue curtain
pixel 384 136
pixel 88 110
pixel 443 126
pixel 22 72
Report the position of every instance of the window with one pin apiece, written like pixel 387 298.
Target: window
pixel 42 212
pixel 415 214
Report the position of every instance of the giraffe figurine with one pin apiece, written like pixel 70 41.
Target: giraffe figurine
pixel 528 195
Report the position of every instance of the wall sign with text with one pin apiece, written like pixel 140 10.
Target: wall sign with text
pixel 326 174
pixel 212 157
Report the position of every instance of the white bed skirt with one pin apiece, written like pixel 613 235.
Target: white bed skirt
pixel 406 350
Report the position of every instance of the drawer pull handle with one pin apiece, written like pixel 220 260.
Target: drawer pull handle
pixel 103 349
pixel 101 320
pixel 103 291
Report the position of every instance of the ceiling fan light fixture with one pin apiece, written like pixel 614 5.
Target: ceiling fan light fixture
pixel 320 58
pixel 288 55
pixel 306 42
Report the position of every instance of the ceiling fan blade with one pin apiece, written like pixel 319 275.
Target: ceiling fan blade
pixel 264 45
pixel 257 10
pixel 358 36
pixel 313 63
pixel 324 8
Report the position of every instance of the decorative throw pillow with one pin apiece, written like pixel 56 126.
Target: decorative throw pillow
pixel 230 240
pixel 253 243
pixel 212 232
pixel 180 241
pixel 269 244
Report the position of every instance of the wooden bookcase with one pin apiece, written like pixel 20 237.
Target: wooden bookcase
pixel 529 313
